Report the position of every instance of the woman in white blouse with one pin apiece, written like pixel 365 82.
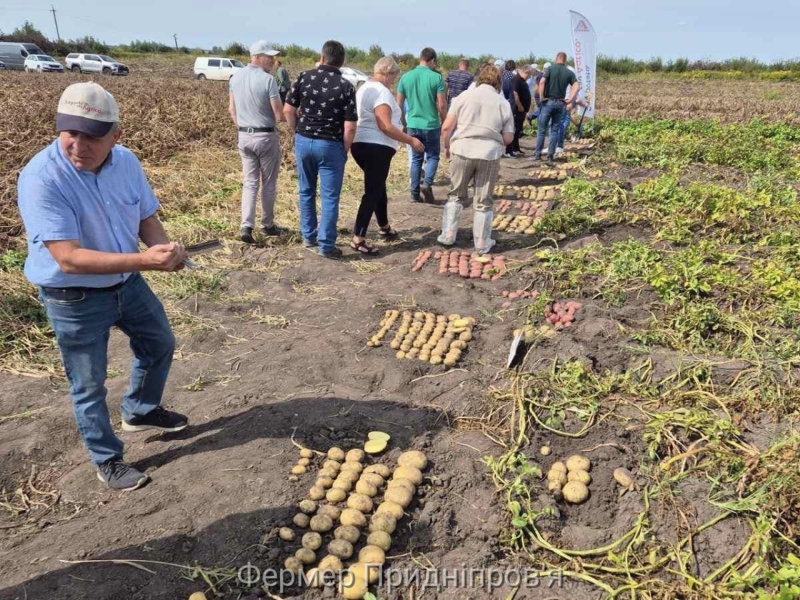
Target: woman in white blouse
pixel 379 129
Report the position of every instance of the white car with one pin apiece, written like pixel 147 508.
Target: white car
pixel 216 68
pixel 94 63
pixel 42 63
pixel 354 76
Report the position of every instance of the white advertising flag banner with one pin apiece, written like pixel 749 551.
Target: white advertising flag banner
pixel 584 47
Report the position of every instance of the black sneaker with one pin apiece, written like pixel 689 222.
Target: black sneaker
pixel 246 235
pixel 272 231
pixel 427 193
pixel 335 253
pixel 158 418
pixel 119 476
pixel 537 157
pixel 415 198
pixel 309 243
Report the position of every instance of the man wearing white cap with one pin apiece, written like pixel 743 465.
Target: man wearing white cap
pixel 255 106
pixel 86 203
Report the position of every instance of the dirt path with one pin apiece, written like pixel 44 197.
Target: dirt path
pixel 287 359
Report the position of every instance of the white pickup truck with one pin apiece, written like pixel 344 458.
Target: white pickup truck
pixel 94 63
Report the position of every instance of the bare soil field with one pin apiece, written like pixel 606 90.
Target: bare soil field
pixel 680 365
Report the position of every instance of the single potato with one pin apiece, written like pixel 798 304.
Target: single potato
pixel 334 512
pixel 372 555
pixel 390 508
pixel 351 516
pixel 381 539
pixel 578 463
pixel 321 523
pixel 347 533
pixel 360 502
pixel 301 520
pixel 306 556
pixel 312 540
pixel 341 548
pixel 336 454
pixel 383 522
pixel 413 474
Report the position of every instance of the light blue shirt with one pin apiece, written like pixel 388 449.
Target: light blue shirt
pixel 102 212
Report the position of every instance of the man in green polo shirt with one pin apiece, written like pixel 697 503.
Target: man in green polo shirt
pixel 423 89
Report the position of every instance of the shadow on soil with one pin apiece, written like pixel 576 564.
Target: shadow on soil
pixel 233 540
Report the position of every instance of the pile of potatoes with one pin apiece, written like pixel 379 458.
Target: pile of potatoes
pixel 437 339
pixel 471 265
pixel 529 209
pixel 530 333
pixel 557 174
pixel 344 480
pixel 518 294
pixel 519 224
pixel 388 321
pixel 303 463
pixel 527 192
pixel 570 481
pixel 562 315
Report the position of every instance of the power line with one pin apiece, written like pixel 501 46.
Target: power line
pixel 53 10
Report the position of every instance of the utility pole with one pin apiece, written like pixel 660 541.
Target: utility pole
pixel 53 10
pixel 175 37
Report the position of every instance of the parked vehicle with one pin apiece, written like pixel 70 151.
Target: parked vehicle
pixel 94 63
pixel 2 66
pixel 216 68
pixel 13 54
pixel 43 64
pixel 354 76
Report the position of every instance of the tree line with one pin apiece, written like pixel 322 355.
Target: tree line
pixel 605 64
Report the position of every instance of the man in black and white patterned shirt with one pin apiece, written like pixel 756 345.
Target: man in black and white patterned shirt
pixel 321 112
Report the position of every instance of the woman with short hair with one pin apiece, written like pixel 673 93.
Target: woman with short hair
pixel 379 129
pixel 478 127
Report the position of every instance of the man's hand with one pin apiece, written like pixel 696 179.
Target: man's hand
pixel 417 145
pixel 165 257
pixel 447 153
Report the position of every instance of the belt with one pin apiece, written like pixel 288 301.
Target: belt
pixel 257 129
pixel 116 286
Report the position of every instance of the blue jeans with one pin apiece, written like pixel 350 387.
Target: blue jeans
pixel 550 114
pixel 324 159
pixel 429 137
pixel 82 319
pixel 562 133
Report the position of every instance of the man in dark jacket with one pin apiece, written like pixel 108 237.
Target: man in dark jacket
pixel 520 105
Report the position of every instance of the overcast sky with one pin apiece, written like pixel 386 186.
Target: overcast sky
pixel 695 29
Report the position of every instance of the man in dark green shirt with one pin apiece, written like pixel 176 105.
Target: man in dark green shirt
pixel 553 90
pixel 423 88
pixel 283 81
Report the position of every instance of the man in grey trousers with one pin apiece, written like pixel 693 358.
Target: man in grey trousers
pixel 255 106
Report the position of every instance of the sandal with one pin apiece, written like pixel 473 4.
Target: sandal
pixel 363 247
pixel 388 233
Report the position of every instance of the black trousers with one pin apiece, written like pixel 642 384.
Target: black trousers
pixel 375 160
pixel 519 125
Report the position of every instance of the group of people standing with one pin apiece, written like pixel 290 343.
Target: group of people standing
pixel 86 203
pixel 330 119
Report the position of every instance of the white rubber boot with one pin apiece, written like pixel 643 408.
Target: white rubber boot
pixel 482 231
pixel 450 220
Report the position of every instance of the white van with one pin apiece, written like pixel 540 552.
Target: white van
pixel 216 68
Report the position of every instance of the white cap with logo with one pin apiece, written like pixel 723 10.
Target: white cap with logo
pixel 499 63
pixel 535 66
pixel 262 47
pixel 88 108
